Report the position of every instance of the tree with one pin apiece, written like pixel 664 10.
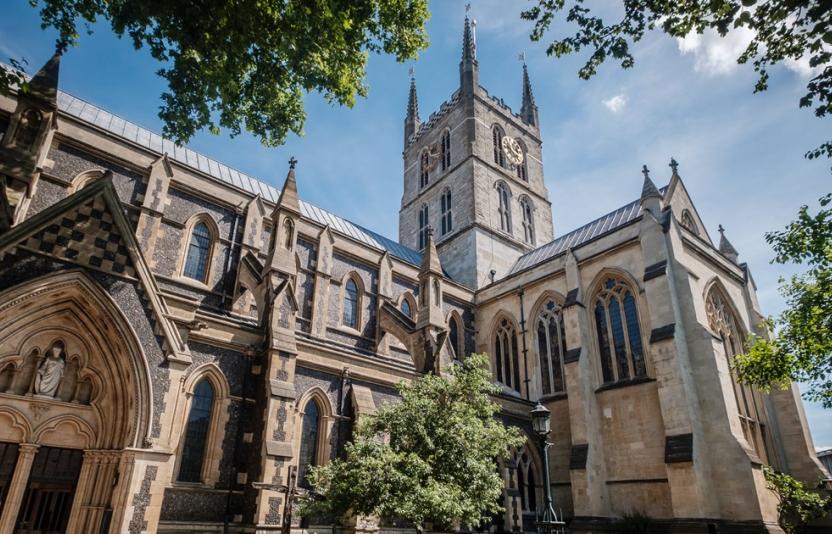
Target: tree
pixel 802 348
pixel 783 30
pixel 796 505
pixel 430 458
pixel 248 63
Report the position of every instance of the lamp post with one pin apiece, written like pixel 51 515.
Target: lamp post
pixel 549 523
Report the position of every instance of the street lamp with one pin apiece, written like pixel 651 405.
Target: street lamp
pixel 549 523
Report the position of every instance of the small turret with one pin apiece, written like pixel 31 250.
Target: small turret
pixel 284 218
pixel 430 287
pixel 651 199
pixel 726 248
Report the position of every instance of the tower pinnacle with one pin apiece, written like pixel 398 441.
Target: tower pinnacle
pixel 469 76
pixel 529 109
pixel 411 121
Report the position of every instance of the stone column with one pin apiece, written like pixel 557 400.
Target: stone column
pixel 25 456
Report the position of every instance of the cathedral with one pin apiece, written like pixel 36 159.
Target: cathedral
pixel 180 342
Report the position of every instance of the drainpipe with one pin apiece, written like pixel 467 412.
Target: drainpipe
pixel 525 349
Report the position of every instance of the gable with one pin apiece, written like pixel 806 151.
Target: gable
pixel 679 200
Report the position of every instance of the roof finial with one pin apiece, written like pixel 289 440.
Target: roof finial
pixel 645 171
pixel 522 57
pixel 292 162
pixel 725 246
pixel 649 189
pixel 674 166
pixel 412 72
pixel 721 230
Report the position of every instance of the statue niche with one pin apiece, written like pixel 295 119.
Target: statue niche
pixel 51 374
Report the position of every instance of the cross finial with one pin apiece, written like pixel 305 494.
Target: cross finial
pixel 429 231
pixel 292 162
pixel 522 57
pixel 674 165
pixel 720 229
pixel 467 8
pixel 645 171
pixel 412 71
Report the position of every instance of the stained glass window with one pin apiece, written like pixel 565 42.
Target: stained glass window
pixel 551 346
pixel 196 433
pixel 196 262
pixel 308 454
pixel 619 333
pixel 351 295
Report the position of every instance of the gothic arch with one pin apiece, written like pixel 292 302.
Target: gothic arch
pixel 555 353
pixel 219 418
pixel 715 284
pixel 614 272
pixel 408 297
pixel 342 294
pixel 187 235
pixel 317 395
pixel 459 344
pixel 504 346
pixel 67 431
pixel 83 179
pixel 14 426
pixel 57 305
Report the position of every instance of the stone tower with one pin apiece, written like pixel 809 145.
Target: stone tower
pixel 473 171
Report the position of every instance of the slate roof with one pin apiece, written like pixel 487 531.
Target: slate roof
pixel 597 228
pixel 134 133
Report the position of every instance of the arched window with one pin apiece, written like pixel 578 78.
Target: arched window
pixel 528 220
pixel 196 433
pixel 551 347
pixel 526 482
pixel 522 169
pixel 424 169
pixel 310 430
pixel 453 337
pixel 689 223
pixel 447 217
pixel 497 143
pixel 406 309
pixel 352 297
pixel 199 252
pixel 723 322
pixel 28 128
pixel 288 233
pixel 506 356
pixel 504 206
pixel 446 150
pixel 423 226
pixel 619 334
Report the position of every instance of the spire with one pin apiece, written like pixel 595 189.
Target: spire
pixel 288 199
pixel 651 199
pixel 529 109
pixel 411 121
pixel 44 84
pixel 430 258
pixel 725 246
pixel 469 77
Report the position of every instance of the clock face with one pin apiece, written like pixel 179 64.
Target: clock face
pixel 512 150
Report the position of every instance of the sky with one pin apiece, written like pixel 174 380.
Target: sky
pixel 740 154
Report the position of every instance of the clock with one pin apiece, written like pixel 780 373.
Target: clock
pixel 512 150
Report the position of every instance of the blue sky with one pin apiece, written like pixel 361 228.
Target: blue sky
pixel 741 155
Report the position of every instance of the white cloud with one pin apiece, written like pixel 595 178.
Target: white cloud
pixel 615 103
pixel 713 54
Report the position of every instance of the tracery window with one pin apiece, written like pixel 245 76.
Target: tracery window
pixel 504 206
pixel 424 169
pixel 447 217
pixel 423 226
pixel 497 144
pixel 528 220
pixel 506 355
pixel 522 169
pixel 406 309
pixel 351 301
pixel 619 333
pixel 723 323
pixel 551 347
pixel 199 252
pixel 308 453
pixel 526 482
pixel 196 433
pixel 446 150
pixel 689 223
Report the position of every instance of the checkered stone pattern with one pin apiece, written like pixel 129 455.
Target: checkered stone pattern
pixel 88 236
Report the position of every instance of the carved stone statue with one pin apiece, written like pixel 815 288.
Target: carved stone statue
pixel 51 371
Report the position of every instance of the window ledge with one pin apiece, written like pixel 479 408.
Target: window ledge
pixel 192 282
pixel 347 330
pixel 624 383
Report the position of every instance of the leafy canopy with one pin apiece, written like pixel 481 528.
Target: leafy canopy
pixel 802 349
pixel 783 30
pixel 430 458
pixel 248 63
pixel 796 505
